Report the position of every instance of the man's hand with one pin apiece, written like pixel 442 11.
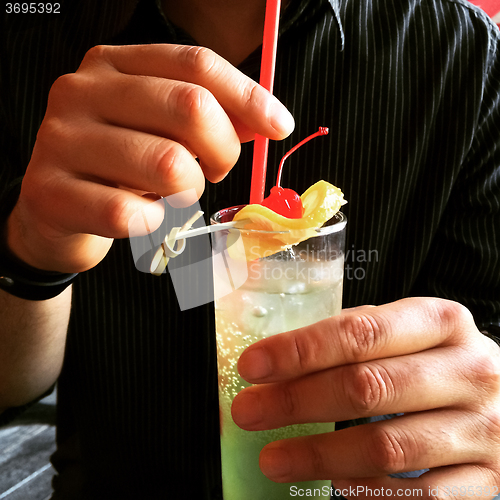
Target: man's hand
pixel 131 120
pixel 421 357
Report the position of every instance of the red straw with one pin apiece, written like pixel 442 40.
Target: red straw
pixel 267 66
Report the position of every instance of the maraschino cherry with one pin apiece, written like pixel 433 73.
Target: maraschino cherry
pixel 285 201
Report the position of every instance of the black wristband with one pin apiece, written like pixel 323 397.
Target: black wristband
pixel 18 278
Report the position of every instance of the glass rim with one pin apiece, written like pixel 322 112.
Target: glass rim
pixel 333 227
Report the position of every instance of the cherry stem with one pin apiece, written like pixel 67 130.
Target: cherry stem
pixel 321 131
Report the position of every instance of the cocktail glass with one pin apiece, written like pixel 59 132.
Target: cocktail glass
pixel 281 292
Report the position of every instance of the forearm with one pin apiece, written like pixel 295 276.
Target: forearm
pixel 32 337
pixel 32 340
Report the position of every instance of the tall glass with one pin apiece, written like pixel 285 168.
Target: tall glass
pixel 280 292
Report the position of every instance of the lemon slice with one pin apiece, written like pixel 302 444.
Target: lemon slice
pixel 321 202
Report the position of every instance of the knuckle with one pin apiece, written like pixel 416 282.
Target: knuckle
pixel 171 168
pixel 95 55
pixel 362 333
pixel 389 450
pixel 485 427
pixel 492 427
pixel 318 461
pixel 195 104
pixel 200 61
pixel 53 139
pixel 80 83
pixel 306 351
pixel 116 214
pixel 64 88
pixel 52 131
pixel 453 315
pixel 289 402
pixel 254 97
pixel 168 162
pixel 368 388
pixel 486 372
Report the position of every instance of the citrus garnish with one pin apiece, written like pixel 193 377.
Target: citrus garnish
pixel 321 202
pixel 285 217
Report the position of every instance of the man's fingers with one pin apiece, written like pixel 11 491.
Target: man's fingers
pixel 403 327
pixel 121 157
pixel 185 113
pixel 406 443
pixel 239 95
pixel 187 94
pixel 84 206
pixel 423 381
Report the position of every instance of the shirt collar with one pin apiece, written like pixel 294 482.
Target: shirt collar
pixel 335 4
pixel 300 11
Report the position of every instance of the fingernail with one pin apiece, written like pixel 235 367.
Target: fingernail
pixel 152 196
pixel 254 364
pixel 275 464
pixel 246 410
pixel 281 119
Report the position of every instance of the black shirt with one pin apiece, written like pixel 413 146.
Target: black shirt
pixel 410 90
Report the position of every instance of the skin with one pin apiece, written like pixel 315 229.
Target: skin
pixel 233 29
pixel 161 108
pixel 423 357
pixel 96 157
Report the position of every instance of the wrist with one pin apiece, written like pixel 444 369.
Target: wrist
pixel 17 276
pixel 21 244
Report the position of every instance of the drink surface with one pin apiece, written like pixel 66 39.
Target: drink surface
pixel 278 296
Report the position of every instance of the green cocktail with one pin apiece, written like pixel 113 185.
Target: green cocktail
pixel 285 291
